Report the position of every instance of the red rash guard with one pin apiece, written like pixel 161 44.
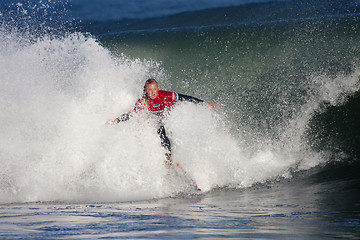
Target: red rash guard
pixel 164 100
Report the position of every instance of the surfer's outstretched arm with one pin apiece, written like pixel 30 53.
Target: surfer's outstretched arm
pixel 124 117
pixel 183 97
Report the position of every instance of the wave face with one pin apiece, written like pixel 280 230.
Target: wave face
pixel 275 82
pixel 288 93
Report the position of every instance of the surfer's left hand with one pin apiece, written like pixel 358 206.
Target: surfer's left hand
pixel 213 105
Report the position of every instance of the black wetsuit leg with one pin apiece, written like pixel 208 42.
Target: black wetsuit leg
pixel 165 142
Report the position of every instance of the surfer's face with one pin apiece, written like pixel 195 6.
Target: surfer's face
pixel 152 90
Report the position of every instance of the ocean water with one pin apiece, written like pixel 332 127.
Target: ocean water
pixel 279 159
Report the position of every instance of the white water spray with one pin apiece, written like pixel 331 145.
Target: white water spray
pixel 58 93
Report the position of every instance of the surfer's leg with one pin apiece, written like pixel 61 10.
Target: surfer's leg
pixel 165 142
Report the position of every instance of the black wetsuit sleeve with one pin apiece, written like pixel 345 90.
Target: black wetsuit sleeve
pixel 124 117
pixel 187 98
